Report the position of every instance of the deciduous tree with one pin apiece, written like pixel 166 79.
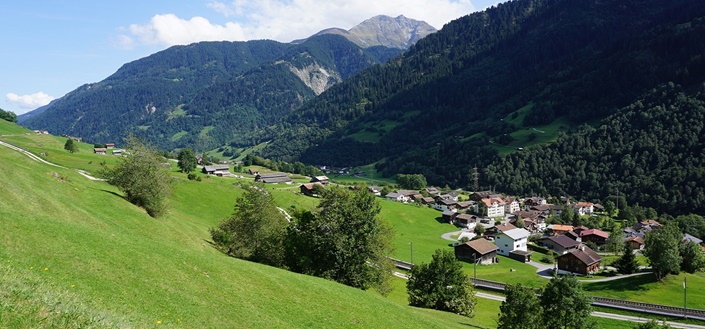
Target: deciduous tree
pixel 256 230
pixel 661 248
pixel 566 305
pixel 70 146
pixel 442 285
pixel 693 257
pixel 343 240
pixel 520 309
pixel 141 176
pixel 187 160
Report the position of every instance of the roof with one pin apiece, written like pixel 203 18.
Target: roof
pixel 393 195
pixel 427 199
pixel 689 237
pixel 585 255
pixel 217 167
pixel 272 180
pixel 542 207
pixel 99 149
pixel 636 239
pixel 490 201
pixel 482 246
pixel 320 178
pixel 505 227
pixel 564 241
pixel 651 222
pixel 559 227
pixel 597 232
pixel 272 175
pixel 585 204
pixel 310 186
pixel 516 234
pixel 466 217
pixel 406 192
pixel 374 188
pixel 448 213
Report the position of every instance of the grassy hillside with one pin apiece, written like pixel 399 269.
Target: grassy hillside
pixel 74 253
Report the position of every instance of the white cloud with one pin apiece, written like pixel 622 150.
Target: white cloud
pixel 29 101
pixel 286 20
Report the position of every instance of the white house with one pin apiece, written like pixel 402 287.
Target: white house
pixel 495 207
pixel 584 208
pixel 511 240
pixel 511 205
pixel 397 197
pixel 375 190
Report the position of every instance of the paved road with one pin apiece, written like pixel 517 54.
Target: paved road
pixel 446 236
pixel 546 271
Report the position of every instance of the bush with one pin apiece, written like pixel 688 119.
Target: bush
pixel 192 176
pixel 548 259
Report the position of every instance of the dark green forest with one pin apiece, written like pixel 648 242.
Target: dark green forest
pixel 652 151
pixel 203 95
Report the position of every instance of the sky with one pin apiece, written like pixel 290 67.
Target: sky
pixel 51 47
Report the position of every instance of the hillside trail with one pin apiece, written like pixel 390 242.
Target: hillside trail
pixel 38 159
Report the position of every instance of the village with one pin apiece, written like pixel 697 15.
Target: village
pixel 492 224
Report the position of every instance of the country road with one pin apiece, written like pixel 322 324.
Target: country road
pixel 38 159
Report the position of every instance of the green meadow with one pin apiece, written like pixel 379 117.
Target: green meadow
pixel 75 254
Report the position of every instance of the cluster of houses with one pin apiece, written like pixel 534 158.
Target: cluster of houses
pixel 104 150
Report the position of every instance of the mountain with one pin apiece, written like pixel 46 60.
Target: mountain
pixel 206 94
pixel 520 74
pixel 391 32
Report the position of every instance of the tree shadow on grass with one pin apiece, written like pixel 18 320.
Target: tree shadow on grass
pixel 115 194
pixel 633 283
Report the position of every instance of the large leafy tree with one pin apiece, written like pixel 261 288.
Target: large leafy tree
pixel 565 304
pixel 70 146
pixel 343 240
pixel 520 309
pixel 8 115
pixel 693 257
pixel 442 285
pixel 187 160
pixel 141 176
pixel 256 230
pixel 661 248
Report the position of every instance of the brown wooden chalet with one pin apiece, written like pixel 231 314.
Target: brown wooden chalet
pixel 637 243
pixel 99 150
pixel 479 249
pixel 309 189
pixel 595 236
pixel 273 178
pixel 583 261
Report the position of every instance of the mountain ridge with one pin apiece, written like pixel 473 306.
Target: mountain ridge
pixel 392 32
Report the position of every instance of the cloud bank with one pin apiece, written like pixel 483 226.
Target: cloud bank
pixel 29 101
pixel 283 20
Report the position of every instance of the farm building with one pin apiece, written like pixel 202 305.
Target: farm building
pixel 480 249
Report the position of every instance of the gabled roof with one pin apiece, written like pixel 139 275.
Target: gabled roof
pixel 505 227
pixel 319 178
pixel 466 217
pixel 406 192
pixel 481 246
pixel 564 241
pixel 448 213
pixel 516 234
pixel 490 201
pixel 374 188
pixel 585 255
pixel 585 204
pixel 636 239
pixel 559 227
pixel 597 232
pixel 393 195
pixel 688 237
pixel 217 167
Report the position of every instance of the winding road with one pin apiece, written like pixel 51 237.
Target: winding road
pixel 38 159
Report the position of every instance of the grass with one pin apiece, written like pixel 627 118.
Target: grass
pixel 382 128
pixel 178 135
pixel 177 113
pixel 645 288
pixel 114 259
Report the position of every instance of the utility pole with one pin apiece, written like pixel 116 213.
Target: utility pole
pixel 475 176
pixel 685 305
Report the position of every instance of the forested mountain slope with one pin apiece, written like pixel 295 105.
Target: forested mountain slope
pixel 205 94
pixel 652 151
pixel 491 77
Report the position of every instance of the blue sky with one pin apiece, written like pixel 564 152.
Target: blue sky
pixel 51 47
